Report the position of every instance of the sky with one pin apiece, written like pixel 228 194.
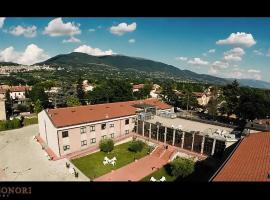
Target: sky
pixel 223 47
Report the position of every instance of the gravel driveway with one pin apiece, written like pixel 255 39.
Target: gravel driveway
pixel 22 159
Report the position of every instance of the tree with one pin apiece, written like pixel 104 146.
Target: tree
pixel 38 93
pixel 80 91
pixel 252 105
pixel 8 104
pixel 169 96
pixel 111 91
pixel 231 93
pixel 38 106
pixel 144 92
pixel 182 167
pixel 106 145
pixel 73 101
pixel 212 107
pixel 136 146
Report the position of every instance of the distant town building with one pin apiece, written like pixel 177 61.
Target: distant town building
pixel 16 92
pixel 202 98
pixel 87 86
pixel 136 88
pixel 6 70
pixel 154 93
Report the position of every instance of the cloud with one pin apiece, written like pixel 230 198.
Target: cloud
pixel 197 62
pixel 123 28
pixel 181 58
pixel 254 71
pixel 131 40
pixel 244 74
pixel 211 51
pixel 93 51
pixel 234 54
pixel 27 31
pixel 220 64
pixel 57 27
pixel 238 39
pixel 31 55
pixel 212 70
pixel 257 52
pixel 92 30
pixel 2 20
pixel 9 55
pixel 72 40
pixel 217 66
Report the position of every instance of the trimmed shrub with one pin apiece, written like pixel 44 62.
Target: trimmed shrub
pixel 29 121
pixel 182 167
pixel 136 146
pixel 10 124
pixel 106 145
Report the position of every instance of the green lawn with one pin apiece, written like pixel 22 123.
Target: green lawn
pixel 92 165
pixel 159 173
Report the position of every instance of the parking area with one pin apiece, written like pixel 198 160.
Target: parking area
pixel 186 124
pixel 22 159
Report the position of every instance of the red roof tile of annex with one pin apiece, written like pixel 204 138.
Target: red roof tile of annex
pixel 250 161
pixel 63 117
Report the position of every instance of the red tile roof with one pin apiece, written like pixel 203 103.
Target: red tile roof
pixel 250 161
pixel 139 86
pixel 14 89
pixel 62 117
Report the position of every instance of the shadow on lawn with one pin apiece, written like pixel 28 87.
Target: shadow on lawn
pixel 205 169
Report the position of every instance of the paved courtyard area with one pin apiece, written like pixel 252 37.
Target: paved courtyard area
pixel 186 124
pixel 141 168
pixel 22 159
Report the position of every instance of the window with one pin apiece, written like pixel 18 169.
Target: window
pixel 111 125
pixel 93 140
pixel 112 135
pixel 64 134
pixel 103 126
pixel 92 128
pixel 133 120
pixel 84 142
pixel 126 132
pixel 103 137
pixel 83 130
pixel 127 121
pixel 66 147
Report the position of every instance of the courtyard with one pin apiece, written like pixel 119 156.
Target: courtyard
pixel 92 165
pixel 22 159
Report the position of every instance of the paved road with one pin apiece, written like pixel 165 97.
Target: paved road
pixel 22 159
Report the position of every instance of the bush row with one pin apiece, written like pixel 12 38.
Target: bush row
pixel 10 124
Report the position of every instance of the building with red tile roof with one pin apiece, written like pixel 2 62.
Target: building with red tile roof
pixel 137 87
pixel 73 129
pixel 249 162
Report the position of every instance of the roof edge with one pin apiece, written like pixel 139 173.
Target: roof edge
pixel 226 161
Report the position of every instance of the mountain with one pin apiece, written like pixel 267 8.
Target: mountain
pixel 253 83
pixel 126 63
pixel 156 69
pixel 8 64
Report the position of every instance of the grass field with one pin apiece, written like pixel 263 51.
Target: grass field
pixel 92 165
pixel 164 171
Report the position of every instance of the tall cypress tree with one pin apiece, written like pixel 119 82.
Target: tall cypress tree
pixel 80 92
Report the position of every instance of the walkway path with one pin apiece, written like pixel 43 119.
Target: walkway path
pixel 141 168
